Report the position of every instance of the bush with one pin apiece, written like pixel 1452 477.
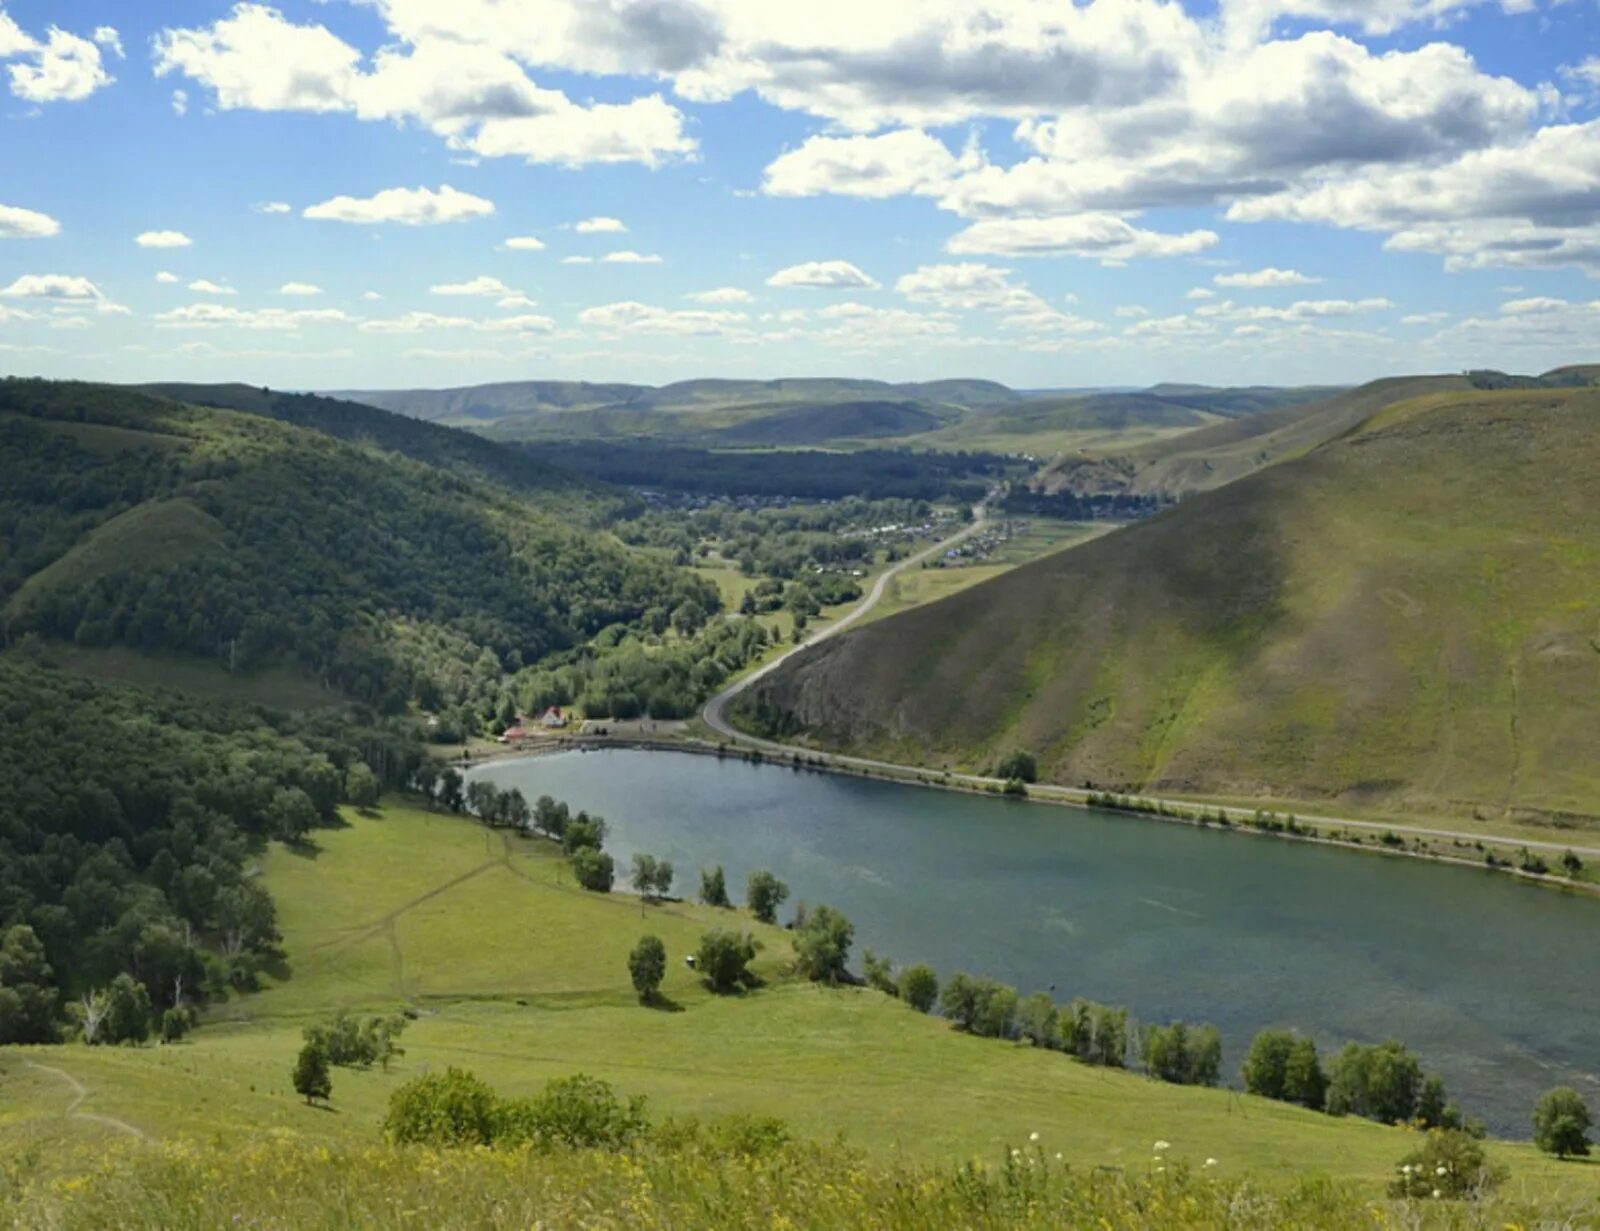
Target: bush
pixel 452 1108
pixel 580 1112
pixel 647 966
pixel 724 958
pixel 594 869
pixel 1561 1123
pixel 1450 1164
pixel 919 987
pixel 822 946
pixel 1019 767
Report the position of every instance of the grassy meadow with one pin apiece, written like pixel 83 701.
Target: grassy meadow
pixel 520 976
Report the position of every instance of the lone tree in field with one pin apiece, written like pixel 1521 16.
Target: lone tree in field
pixel 312 1078
pixel 764 894
pixel 724 959
pixel 647 965
pixel 714 887
pixel 1561 1123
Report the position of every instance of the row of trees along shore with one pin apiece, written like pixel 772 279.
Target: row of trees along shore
pixel 1384 1081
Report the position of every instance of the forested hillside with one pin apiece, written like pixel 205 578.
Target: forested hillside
pixel 132 519
pixel 1405 616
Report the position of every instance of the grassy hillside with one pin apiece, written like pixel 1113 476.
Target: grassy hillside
pixel 136 521
pixel 1222 452
pixel 520 976
pixel 1403 617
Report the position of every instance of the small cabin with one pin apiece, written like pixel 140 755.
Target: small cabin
pixel 514 733
pixel 553 718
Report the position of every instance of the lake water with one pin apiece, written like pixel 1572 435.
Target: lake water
pixel 1496 985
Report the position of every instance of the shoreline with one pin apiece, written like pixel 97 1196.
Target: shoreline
pixel 1199 816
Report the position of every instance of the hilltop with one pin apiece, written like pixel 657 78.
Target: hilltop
pixel 1401 617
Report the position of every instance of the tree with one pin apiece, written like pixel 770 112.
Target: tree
pixel 1266 1064
pixel 1561 1123
pixel 514 810
pixel 822 947
pixel 120 1013
pixel 724 958
pixel 714 887
pixel 764 894
pixel 594 869
pixel 483 800
pixel 450 788
pixel 426 779
pixel 1381 1082
pixel 919 987
pixel 647 966
pixel 644 875
pixel 291 815
pixel 1038 1018
pixel 1303 1079
pixel 28 998
pixel 879 973
pixel 361 786
pixel 583 831
pixel 1019 766
pixel 312 1078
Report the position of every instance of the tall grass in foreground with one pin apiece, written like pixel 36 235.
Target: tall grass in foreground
pixel 278 1181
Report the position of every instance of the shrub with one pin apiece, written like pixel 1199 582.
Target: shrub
pixel 581 1112
pixel 879 973
pixel 1449 1164
pixel 1018 766
pixel 1561 1123
pixel 724 958
pixel 593 869
pixel 452 1108
pixel 822 946
pixel 919 987
pixel 647 966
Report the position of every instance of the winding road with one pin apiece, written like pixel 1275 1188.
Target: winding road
pixel 715 716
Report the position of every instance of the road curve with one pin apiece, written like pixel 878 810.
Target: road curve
pixel 714 708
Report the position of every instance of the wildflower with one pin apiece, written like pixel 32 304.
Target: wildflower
pixel 1437 1194
pixel 1441 1170
pixel 1016 1153
pixel 1211 1162
pixel 1163 1145
pixel 1033 1136
pixel 1058 1156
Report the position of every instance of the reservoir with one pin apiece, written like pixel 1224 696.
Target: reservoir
pixel 1495 985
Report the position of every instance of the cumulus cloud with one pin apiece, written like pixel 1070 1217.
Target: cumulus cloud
pixel 599 226
pixel 63 68
pixel 524 323
pixel 824 275
pixel 482 285
pixel 215 315
pixel 272 207
pixel 577 260
pixel 405 206
pixel 1269 277
pixel 162 239
pixel 628 257
pixel 300 288
pixel 1303 310
pixel 63 288
pixel 1106 237
pixel 721 294
pixel 889 165
pixel 204 286
pixel 19 223
pixel 416 322
pixel 167 277
pixel 966 286
pixel 524 243
pixel 633 317
pixel 476 97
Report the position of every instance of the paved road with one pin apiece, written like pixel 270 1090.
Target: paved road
pixel 713 712
pixel 715 717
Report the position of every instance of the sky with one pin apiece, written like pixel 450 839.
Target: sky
pixel 399 193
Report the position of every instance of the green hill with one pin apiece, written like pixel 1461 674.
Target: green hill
pixel 817 424
pixel 1405 616
pixel 134 520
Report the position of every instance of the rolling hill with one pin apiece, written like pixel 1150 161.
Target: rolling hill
pixel 134 520
pixel 1403 617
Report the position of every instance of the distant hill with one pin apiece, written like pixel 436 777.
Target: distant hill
pixel 817 424
pixel 130 519
pixel 1403 615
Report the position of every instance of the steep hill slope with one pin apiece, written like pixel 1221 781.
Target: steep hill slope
pixel 129 519
pixel 1406 615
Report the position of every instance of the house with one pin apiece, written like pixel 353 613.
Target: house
pixel 553 718
pixel 511 733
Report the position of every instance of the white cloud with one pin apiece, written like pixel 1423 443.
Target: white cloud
pixel 518 300
pixel 1200 292
pixel 19 223
pixel 823 275
pixel 519 324
pixel 1103 236
pixel 968 286
pixel 1269 277
pixel 891 164
pixel 482 285
pixel 214 315
pixel 599 226
pixel 1424 318
pixel 63 68
pixel 524 243
pixel 180 102
pixel 577 260
pixel 1131 311
pixel 406 206
pixel 167 277
pixel 478 99
pixel 416 322
pixel 299 288
pixel 720 295
pixel 634 317
pixel 162 239
pixel 272 207
pixel 1302 310
pixel 108 38
pixel 204 286
pixel 64 288
pixel 628 257
pixel 371 296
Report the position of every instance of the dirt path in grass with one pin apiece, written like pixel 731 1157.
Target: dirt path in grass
pixel 80 1092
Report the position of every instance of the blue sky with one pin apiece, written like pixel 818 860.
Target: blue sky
pixel 321 194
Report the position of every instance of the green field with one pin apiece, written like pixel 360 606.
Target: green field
pixel 520 976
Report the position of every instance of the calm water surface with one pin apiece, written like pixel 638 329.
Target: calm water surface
pixel 1495 985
